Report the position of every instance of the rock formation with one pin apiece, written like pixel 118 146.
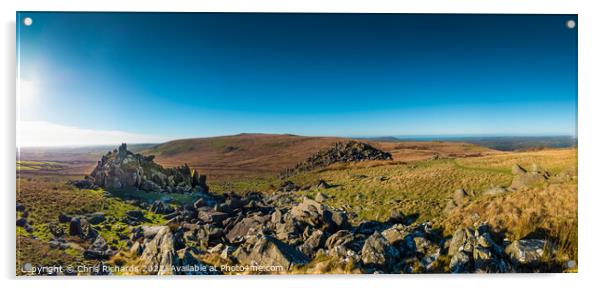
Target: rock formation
pixel 351 151
pixel 121 169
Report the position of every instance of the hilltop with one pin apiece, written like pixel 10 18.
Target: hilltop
pixel 250 155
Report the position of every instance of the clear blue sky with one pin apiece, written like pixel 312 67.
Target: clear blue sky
pixel 191 75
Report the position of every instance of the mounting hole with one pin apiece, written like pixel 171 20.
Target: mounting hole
pixel 571 24
pixel 27 21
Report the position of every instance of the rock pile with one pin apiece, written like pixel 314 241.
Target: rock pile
pixel 121 169
pixel 351 151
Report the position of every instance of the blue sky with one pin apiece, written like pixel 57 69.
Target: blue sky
pixel 179 75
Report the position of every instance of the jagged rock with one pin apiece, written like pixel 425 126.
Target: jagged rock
pixel 160 252
pixel 350 151
pixel 241 228
pixel 379 253
pixel 339 220
pixel 210 235
pixel 122 170
pixel 528 252
pixel 476 251
pixel 395 235
pixel 315 241
pixel 460 263
pixel 340 238
pixel 269 251
pixel 212 216
pixel 309 211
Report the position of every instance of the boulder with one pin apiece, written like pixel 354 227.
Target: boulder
pixel 523 178
pixel 340 238
pixel 96 218
pixel 460 196
pixel 314 242
pixel 160 252
pixel 212 216
pixel 527 252
pixel 379 253
pixel 269 251
pixel 241 228
pixel 474 250
pixel 81 228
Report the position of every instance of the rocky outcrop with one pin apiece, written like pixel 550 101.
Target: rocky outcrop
pixel 351 151
pixel 121 169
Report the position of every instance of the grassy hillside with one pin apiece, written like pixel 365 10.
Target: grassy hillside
pixel 371 191
pixel 251 155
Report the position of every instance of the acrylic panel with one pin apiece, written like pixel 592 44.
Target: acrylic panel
pixel 295 143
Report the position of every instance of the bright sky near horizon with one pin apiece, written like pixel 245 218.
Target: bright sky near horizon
pixel 107 78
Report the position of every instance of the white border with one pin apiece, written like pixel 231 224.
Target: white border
pixel 589 25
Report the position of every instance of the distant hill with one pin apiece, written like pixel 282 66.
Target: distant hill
pixel 502 143
pixel 246 155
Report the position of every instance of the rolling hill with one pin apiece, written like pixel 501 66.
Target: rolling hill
pixel 250 155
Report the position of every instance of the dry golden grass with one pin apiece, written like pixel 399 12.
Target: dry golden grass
pixel 552 160
pixel 542 212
